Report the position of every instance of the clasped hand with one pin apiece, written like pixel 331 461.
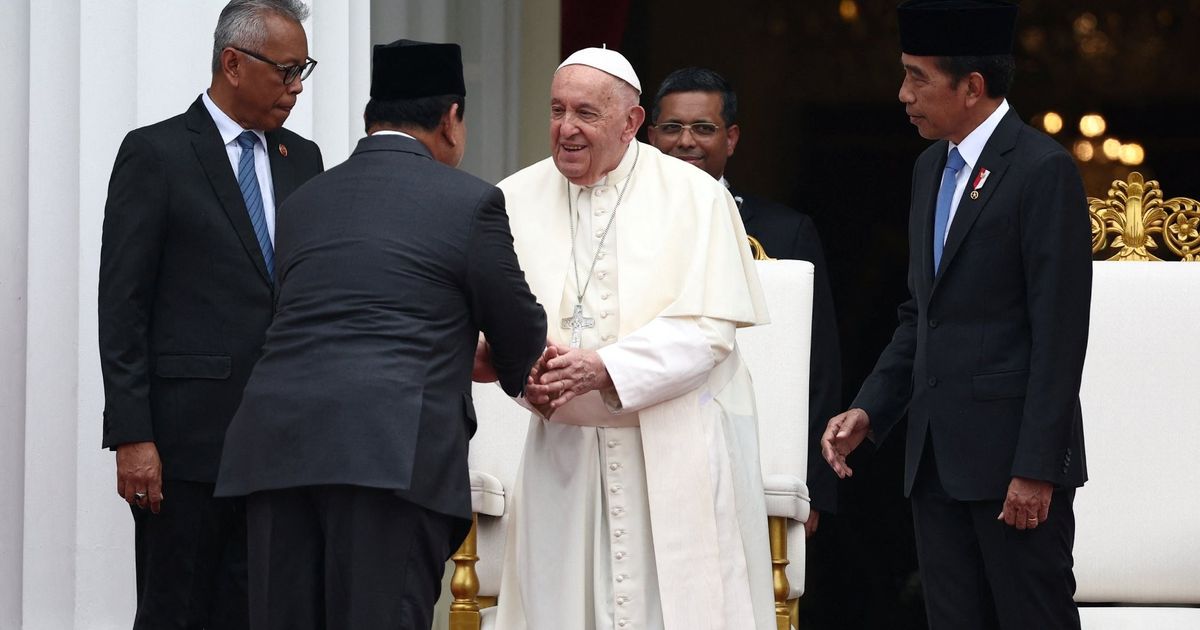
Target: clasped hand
pixel 563 373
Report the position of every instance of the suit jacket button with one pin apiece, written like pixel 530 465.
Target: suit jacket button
pixel 933 381
pixel 933 323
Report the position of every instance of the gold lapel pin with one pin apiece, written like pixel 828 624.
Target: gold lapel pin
pixel 974 193
pixel 282 150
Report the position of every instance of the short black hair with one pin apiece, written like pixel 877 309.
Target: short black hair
pixel 997 71
pixel 425 112
pixel 697 80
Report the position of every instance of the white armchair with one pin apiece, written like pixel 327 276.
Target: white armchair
pixel 1137 548
pixel 777 355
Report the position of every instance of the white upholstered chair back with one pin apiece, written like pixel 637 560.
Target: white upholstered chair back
pixel 1138 518
pixel 777 355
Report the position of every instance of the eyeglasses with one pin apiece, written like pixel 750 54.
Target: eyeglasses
pixel 698 129
pixel 290 73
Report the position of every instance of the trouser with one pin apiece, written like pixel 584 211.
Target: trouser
pixel 978 572
pixel 191 561
pixel 342 557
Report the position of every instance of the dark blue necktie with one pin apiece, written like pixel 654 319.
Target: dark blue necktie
pixel 954 164
pixel 248 182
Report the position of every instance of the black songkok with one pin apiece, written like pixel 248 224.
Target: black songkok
pixel 405 69
pixel 956 28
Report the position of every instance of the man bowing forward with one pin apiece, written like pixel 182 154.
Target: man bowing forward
pixel 351 440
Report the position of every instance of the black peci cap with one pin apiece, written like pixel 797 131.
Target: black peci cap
pixel 955 28
pixel 406 69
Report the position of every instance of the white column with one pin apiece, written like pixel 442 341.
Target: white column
pixel 81 75
pixel 52 366
pixel 14 198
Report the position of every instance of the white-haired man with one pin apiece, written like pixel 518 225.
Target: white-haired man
pixel 639 504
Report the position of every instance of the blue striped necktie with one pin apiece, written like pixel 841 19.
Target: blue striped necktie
pixel 248 182
pixel 941 217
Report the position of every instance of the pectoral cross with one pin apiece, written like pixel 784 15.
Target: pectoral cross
pixel 577 322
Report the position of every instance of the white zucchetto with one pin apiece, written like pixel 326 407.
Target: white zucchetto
pixel 605 60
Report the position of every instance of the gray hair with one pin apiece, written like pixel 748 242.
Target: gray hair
pixel 242 24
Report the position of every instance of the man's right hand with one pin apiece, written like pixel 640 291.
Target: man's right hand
pixel 843 434
pixel 139 470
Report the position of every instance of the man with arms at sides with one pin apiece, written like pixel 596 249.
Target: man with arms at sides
pixel 989 352
pixel 695 120
pixel 351 440
pixel 185 297
pixel 640 499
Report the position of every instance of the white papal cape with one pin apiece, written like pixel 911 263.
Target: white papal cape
pixel 682 465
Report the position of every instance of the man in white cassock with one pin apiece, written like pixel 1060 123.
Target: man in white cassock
pixel 639 503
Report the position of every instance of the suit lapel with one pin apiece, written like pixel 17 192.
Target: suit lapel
pixel 210 151
pixel 970 206
pixel 283 171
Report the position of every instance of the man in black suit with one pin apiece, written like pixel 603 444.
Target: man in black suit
pixel 351 440
pixel 185 298
pixel 989 352
pixel 695 120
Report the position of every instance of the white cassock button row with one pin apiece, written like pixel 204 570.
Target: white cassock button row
pixel 603 314
pixel 614 466
pixel 605 295
pixel 620 555
pixel 598 192
pixel 612 444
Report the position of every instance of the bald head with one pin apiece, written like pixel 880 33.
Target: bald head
pixel 593 118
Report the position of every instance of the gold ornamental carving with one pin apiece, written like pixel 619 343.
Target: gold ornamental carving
pixel 1134 218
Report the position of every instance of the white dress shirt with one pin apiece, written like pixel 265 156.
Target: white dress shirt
pixel 970 149
pixel 230 130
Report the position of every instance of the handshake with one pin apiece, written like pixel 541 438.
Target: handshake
pixel 560 374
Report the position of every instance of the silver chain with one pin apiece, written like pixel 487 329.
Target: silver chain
pixel 604 235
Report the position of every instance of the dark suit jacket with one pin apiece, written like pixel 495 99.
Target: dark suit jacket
pixel 790 234
pixel 389 267
pixel 184 296
pixel 989 352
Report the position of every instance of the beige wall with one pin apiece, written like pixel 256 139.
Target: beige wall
pixel 540 27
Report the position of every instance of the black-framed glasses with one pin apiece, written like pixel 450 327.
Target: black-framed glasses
pixel 698 129
pixel 290 73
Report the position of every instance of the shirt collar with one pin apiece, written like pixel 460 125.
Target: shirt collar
pixel 724 182
pixel 393 132
pixel 226 126
pixel 615 176
pixel 972 146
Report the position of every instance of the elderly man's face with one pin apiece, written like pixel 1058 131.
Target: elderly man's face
pixel 593 118
pixel 264 100
pixel 707 142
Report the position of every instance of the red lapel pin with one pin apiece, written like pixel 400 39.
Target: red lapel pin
pixel 282 150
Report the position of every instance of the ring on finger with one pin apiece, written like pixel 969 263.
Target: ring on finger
pixel 139 496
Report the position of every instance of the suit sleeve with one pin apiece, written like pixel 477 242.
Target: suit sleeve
pixel 825 369
pixel 131 243
pixel 502 306
pixel 1056 253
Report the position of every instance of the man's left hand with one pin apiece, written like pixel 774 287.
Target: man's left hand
pixel 810 526
pixel 1027 504
pixel 574 372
